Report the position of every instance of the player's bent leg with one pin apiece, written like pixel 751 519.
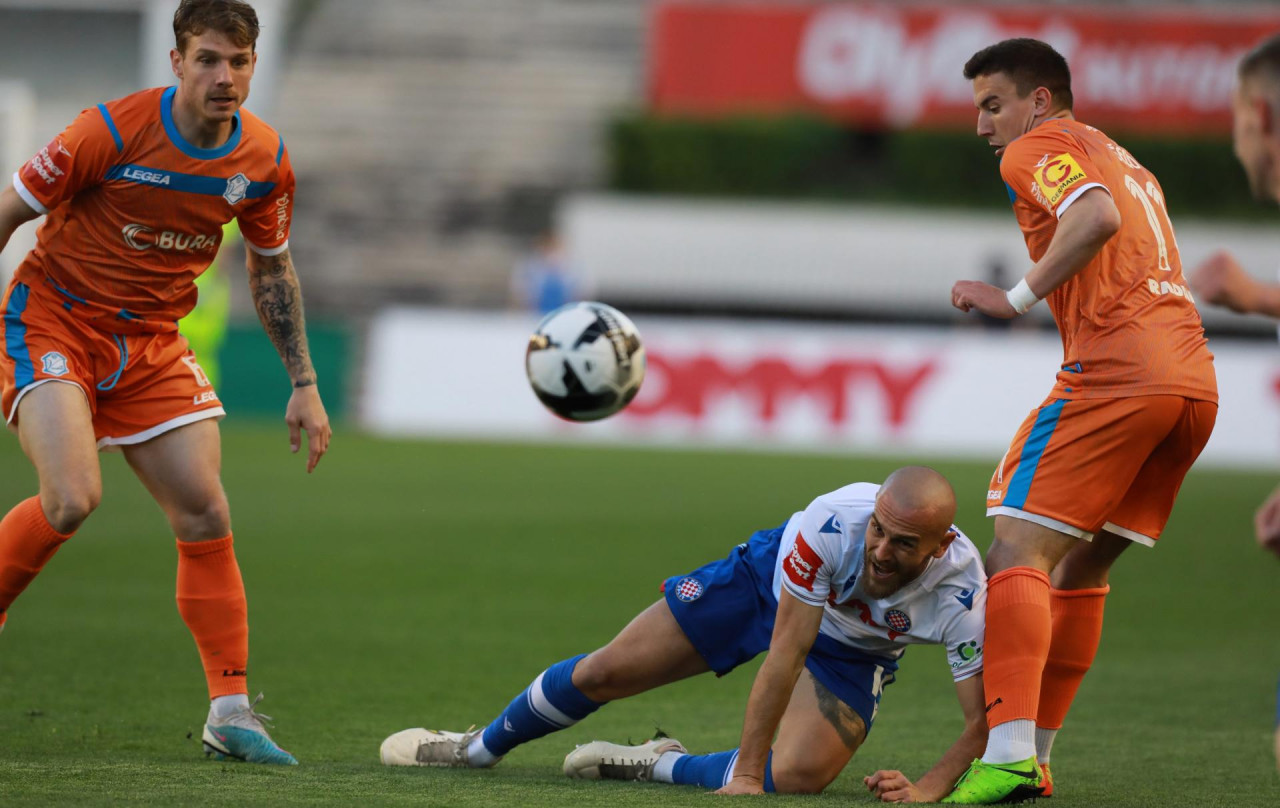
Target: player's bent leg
pixel 650 651
pixel 180 468
pixel 56 431
pixel 818 736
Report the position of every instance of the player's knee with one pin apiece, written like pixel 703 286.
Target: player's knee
pixel 802 777
pixel 599 680
pixel 67 505
pixel 210 521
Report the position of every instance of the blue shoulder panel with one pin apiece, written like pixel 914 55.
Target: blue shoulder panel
pixel 1013 195
pixel 111 127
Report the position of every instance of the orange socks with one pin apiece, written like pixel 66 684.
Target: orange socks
pixel 212 603
pixel 1017 643
pixel 1077 629
pixel 27 542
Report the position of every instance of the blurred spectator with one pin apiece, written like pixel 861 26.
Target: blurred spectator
pixel 544 280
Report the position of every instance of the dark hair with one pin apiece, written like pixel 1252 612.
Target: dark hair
pixel 233 18
pixel 1030 63
pixel 1263 59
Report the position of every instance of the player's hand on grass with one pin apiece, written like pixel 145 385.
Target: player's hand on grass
pixel 990 300
pixel 1266 523
pixel 1220 280
pixel 743 784
pixel 893 786
pixel 306 413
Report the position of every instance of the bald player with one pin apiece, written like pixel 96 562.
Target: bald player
pixel 834 595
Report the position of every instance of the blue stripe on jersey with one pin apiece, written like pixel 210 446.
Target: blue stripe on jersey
pixel 111 127
pixel 177 181
pixel 15 336
pixel 1032 450
pixel 1013 195
pixel 180 143
pixel 280 152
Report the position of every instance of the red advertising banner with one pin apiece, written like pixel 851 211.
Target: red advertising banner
pixel 880 64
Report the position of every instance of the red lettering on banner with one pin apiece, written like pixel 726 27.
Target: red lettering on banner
pixel 900 65
pixel 687 385
pixel 802 564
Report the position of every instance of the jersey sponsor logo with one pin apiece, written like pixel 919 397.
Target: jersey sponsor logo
pixel 802 564
pixel 45 163
pixel 141 237
pixel 968 652
pixel 1054 177
pixel 146 177
pixel 54 364
pixel 898 620
pixel 689 589
pixel 966 596
pixel 206 396
pixel 994 494
pixel 832 526
pixel 237 187
pixel 282 216
pixel 1166 288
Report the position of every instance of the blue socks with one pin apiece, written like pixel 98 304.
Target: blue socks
pixel 551 703
pixel 713 771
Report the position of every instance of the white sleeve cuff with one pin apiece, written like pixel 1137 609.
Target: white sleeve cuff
pixel 27 196
pixel 267 251
pixel 1076 194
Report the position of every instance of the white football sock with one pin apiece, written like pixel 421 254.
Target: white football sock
pixel 1011 742
pixel 223 706
pixel 478 755
pixel 664 769
pixel 1044 742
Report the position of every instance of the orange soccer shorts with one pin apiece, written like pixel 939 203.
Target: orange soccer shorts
pixel 1081 466
pixel 138 386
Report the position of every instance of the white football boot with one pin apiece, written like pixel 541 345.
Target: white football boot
pixel 429 747
pixel 601 760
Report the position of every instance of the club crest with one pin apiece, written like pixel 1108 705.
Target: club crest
pixel 237 187
pixel 689 590
pixel 53 364
pixel 898 620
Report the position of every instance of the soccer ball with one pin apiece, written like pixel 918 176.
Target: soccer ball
pixel 585 361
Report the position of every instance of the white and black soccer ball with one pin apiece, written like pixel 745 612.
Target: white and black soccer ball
pixel 585 361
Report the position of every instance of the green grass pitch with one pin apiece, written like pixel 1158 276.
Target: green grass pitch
pixel 425 583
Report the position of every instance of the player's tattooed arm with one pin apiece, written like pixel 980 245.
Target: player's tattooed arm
pixel 277 297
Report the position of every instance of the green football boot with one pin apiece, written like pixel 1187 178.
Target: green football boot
pixel 989 783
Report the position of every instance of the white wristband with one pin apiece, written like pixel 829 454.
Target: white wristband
pixel 1021 297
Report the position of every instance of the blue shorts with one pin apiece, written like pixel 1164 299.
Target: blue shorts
pixel 727 608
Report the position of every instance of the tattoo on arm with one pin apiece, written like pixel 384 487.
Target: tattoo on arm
pixel 848 724
pixel 278 299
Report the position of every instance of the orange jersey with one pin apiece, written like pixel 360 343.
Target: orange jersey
pixel 135 212
pixel 1128 322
